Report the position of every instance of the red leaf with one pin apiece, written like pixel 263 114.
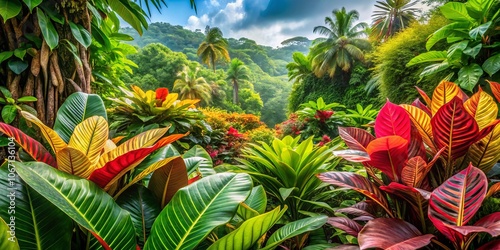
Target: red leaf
pixel 352 155
pixel 354 211
pixel 454 129
pixel 416 144
pixel 416 169
pixel 30 145
pixel 116 168
pixel 417 103
pixel 357 183
pixel 456 201
pixel 424 96
pixel 388 154
pixel 355 138
pixel 492 245
pixel 410 194
pixel 192 180
pixel 495 89
pixel 491 222
pixel 101 240
pixel 390 233
pixel 349 226
pixel 393 120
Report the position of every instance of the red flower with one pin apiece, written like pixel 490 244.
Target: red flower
pixel 233 132
pixel 161 95
pixel 324 140
pixel 323 115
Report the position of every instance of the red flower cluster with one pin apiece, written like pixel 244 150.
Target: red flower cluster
pixel 324 140
pixel 161 96
pixel 233 132
pixel 323 115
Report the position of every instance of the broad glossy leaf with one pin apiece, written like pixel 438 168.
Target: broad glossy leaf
pixel 75 196
pixel 430 56
pixel 414 171
pixel 396 234
pixel 495 89
pixel 17 66
pixel 393 120
pixel 77 107
pixel 482 107
pixel 73 161
pixel 357 183
pixel 255 204
pixel 492 65
pixel 36 219
pixel 9 113
pixel 9 9
pixel 457 200
pixel 469 75
pixel 127 12
pixel 355 138
pixel 353 155
pixel 444 32
pixel 197 209
pixel 488 224
pixel 30 145
pixel 347 225
pixel 416 145
pixel 143 208
pixel 479 30
pixel 115 169
pixel 454 129
pixel 443 94
pixel 81 34
pixel 484 153
pixel 198 158
pixel 246 235
pixel 456 12
pixel 32 3
pixel 293 229
pixel 49 32
pixel 90 136
pixel 7 241
pixel 422 121
pixel 168 179
pixel 388 154
pixel 144 139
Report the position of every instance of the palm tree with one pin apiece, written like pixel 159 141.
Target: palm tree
pixel 237 73
pixel 190 86
pixel 299 68
pixel 392 16
pixel 213 48
pixel 343 45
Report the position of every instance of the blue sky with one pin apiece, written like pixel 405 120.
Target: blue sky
pixel 266 21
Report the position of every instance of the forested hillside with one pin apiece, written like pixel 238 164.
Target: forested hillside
pixel 165 49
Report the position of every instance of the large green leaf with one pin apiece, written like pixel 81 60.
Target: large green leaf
pixel 246 235
pixel 9 9
pixel 143 209
pixel 81 34
pixel 479 30
pixel 49 32
pixel 294 229
pixel 5 55
pixel 445 32
pixel 128 13
pixel 17 66
pixel 38 223
pixel 84 202
pixel 7 240
pixel 32 3
pixel 456 12
pixel 9 113
pixel 77 107
pixel 469 75
pixel 434 68
pixel 197 209
pixel 254 205
pixel 431 56
pixel 492 65
pixel 198 158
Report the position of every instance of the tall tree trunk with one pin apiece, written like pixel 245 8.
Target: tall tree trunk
pixel 236 88
pixel 44 77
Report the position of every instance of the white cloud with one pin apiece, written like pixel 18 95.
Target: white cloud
pixel 214 3
pixel 194 22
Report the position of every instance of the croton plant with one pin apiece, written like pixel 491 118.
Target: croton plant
pixel 425 170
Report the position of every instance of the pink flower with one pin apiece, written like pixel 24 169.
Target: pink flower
pixel 233 132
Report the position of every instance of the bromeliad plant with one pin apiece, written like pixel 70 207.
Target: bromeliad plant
pixel 138 111
pixel 426 171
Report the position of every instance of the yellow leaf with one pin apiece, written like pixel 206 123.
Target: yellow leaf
pixel 51 136
pixel 138 92
pixel 73 161
pixel 169 178
pixel 482 107
pixel 422 122
pixel 117 139
pixel 110 145
pixel 484 154
pixel 443 94
pixel 90 136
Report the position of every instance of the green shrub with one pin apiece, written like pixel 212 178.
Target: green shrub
pixel 396 80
